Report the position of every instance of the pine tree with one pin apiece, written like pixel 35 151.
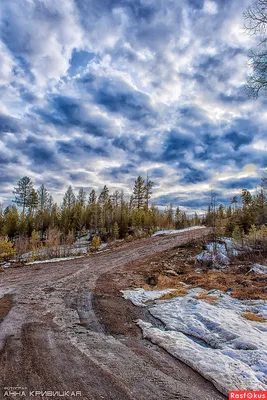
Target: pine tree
pixel 23 193
pixel 33 201
pixel 43 197
pixel 246 197
pixel 92 197
pixel 11 221
pixel 104 195
pixel 139 193
pixel 237 235
pixel 178 218
pixel 234 202
pixel 148 190
pixel 169 215
pixel 81 198
pixel 68 199
pixel 68 210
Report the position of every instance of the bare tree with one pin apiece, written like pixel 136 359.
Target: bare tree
pixel 256 24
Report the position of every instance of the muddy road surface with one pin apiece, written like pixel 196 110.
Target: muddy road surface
pixel 55 344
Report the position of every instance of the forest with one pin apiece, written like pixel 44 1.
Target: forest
pixel 34 220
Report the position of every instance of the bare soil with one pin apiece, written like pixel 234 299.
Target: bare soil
pixel 69 329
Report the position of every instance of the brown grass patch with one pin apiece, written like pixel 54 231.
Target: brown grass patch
pixel 242 286
pixel 235 280
pixel 6 303
pixel 206 297
pixel 182 291
pixel 253 317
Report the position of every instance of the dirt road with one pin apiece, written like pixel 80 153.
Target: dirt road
pixel 55 339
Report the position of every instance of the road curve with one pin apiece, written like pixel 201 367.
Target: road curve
pixel 52 340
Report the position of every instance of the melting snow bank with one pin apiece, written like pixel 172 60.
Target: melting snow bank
pixel 259 269
pixel 172 231
pixel 215 366
pixel 220 252
pixel 214 339
pixel 52 260
pixel 139 297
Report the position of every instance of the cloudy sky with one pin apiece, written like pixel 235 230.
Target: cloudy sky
pixel 96 92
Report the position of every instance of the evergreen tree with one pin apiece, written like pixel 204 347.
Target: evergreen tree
pixel 234 202
pixel 148 190
pixel 11 221
pixel 237 235
pixel 92 197
pixel 178 218
pixel 104 195
pixel 169 215
pixel 246 197
pixel 68 199
pixel 81 198
pixel 68 210
pixel 139 193
pixel 33 201
pixel 43 197
pixel 23 193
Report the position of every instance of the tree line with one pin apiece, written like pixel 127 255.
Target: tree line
pixel 112 215
pixel 245 212
pixel 108 215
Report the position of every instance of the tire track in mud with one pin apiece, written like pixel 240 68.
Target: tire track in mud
pixel 52 338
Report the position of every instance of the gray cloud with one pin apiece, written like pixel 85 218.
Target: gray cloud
pixel 105 90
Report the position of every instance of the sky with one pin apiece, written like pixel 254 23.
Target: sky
pixel 96 92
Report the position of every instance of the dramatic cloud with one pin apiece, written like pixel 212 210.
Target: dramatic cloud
pixel 96 92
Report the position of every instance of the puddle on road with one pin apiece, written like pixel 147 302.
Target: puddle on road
pixel 6 303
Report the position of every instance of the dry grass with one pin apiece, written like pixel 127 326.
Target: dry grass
pixel 182 291
pixel 6 303
pixel 163 282
pixel 253 317
pixel 242 286
pixel 206 297
pixel 236 280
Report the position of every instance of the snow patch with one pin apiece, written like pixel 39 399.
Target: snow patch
pixel 222 369
pixel 214 339
pixel 173 231
pixel 139 297
pixel 219 253
pixel 259 269
pixel 53 260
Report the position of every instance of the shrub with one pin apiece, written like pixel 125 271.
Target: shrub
pixel 22 246
pixel 236 235
pixel 6 249
pixel 96 242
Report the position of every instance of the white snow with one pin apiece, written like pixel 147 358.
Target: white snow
pixel 220 252
pixel 139 296
pixel 173 231
pixel 214 339
pixel 102 246
pixel 53 260
pixel 60 250
pixel 259 269
pixel 5 265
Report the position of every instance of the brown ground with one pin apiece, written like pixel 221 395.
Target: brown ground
pixel 70 329
pixel 6 303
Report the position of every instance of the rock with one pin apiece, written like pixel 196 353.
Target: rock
pixel 152 280
pixel 170 272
